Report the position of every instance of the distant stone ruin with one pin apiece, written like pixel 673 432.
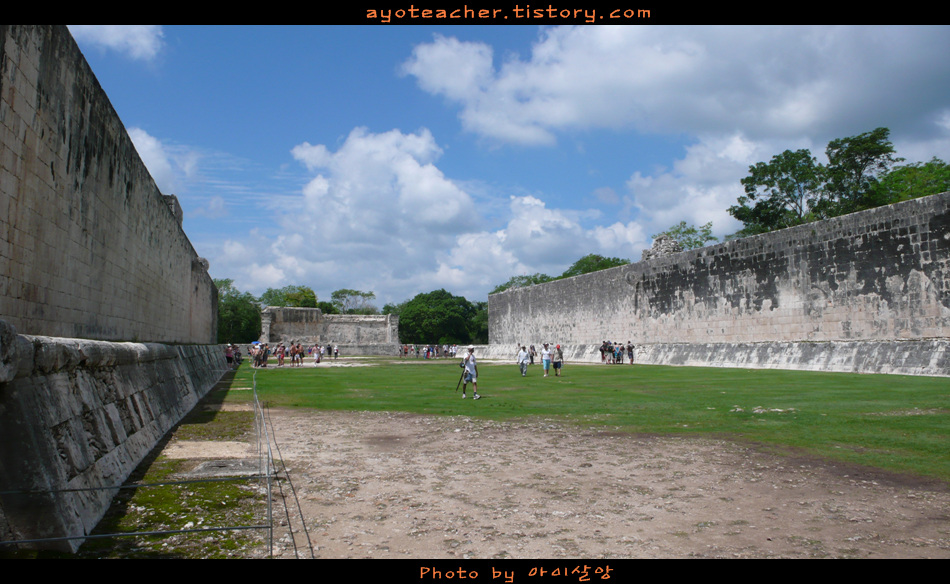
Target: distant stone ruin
pixel 663 245
pixel 354 334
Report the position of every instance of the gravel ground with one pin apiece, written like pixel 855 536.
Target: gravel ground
pixel 394 485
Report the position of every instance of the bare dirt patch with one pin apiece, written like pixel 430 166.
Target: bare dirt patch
pixel 393 485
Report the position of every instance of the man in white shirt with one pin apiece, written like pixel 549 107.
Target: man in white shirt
pixel 471 373
pixel 523 358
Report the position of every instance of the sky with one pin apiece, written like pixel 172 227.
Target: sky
pixel 405 159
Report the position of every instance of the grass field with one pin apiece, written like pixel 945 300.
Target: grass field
pixel 897 423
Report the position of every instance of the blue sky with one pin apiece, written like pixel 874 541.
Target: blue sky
pixel 404 159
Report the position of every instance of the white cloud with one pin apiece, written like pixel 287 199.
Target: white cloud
pixel 379 215
pixel 470 64
pixel 171 166
pixel 137 41
pixel 822 82
pixel 208 184
pixel 157 159
pixel 375 216
pixel 382 186
pixel 213 209
pixel 536 239
pixel 699 188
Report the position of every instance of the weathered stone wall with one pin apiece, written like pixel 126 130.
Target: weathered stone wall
pixel 88 246
pixel 354 334
pixel 89 249
pixel 355 330
pixel 292 324
pixel 81 414
pixel 876 276
pixel 903 357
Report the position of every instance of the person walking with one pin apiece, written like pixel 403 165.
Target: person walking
pixel 546 359
pixel 471 373
pixel 523 361
pixel 557 358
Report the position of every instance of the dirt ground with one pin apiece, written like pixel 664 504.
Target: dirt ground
pixel 394 485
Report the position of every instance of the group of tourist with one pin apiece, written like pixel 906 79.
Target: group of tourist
pixel 232 354
pixel 261 353
pixel 553 357
pixel 550 356
pixel 317 351
pixel 614 353
pixel 429 351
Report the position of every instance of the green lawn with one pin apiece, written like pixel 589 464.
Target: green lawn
pixel 898 423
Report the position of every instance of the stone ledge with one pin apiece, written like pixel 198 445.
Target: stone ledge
pixel 927 357
pixel 79 414
pixel 26 355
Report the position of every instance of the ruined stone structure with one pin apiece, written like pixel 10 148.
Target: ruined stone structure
pixel 663 245
pixel 96 276
pixel 866 292
pixel 354 334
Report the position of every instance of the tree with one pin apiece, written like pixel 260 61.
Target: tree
pixel 780 193
pixel 592 263
pixel 912 181
pixel 793 188
pixel 765 216
pixel 327 308
pixel 436 317
pixel 854 165
pixel 587 264
pixel 349 301
pixel 394 309
pixel 478 327
pixel 521 281
pixel 689 236
pixel 239 315
pixel 292 296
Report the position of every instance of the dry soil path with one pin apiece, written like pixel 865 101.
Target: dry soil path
pixel 393 485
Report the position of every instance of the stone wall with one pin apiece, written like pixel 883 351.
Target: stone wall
pixel 90 252
pixel 81 414
pixel 904 357
pixel 89 248
pixel 879 276
pixel 354 334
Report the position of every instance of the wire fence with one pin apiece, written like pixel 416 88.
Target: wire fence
pixel 266 475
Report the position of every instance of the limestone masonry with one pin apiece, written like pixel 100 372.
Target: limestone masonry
pixel 89 247
pixel 354 334
pixel 857 288
pixel 80 414
pixel 107 314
